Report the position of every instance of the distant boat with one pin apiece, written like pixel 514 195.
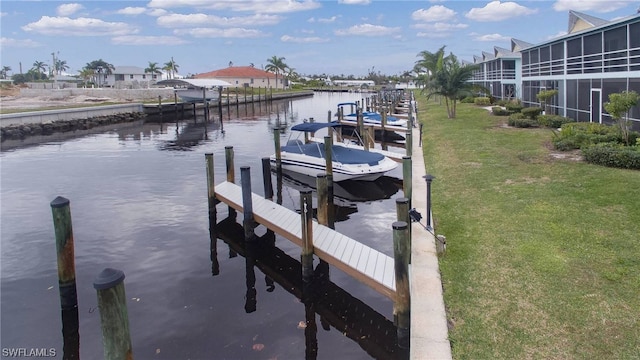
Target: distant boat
pixel 196 90
pixel 370 117
pixel 347 163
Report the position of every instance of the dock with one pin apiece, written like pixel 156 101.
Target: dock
pixel 358 260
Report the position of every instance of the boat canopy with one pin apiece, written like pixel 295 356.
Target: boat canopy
pixel 347 103
pixel 200 83
pixel 314 126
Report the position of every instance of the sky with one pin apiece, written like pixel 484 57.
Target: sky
pixel 340 37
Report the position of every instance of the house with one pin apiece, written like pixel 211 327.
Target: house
pixel 128 77
pixel 593 60
pixel 246 76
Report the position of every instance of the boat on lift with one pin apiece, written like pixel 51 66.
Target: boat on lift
pixel 370 117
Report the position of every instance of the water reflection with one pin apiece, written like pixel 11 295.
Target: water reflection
pixel 336 307
pixel 346 194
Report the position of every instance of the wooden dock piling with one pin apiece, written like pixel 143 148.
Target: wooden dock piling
pixel 228 156
pixel 323 203
pixel 402 303
pixel 211 193
pixel 306 215
pixel 406 177
pixel 114 318
pixel 247 205
pixel 276 140
pixel 266 178
pixel 65 253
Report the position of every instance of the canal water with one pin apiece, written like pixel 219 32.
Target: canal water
pixel 139 204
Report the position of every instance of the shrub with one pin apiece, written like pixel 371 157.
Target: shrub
pixel 482 101
pixel 515 107
pixel 519 121
pixel 467 100
pixel 498 111
pixel 501 102
pixel 553 121
pixel 531 112
pixel 581 135
pixel 613 155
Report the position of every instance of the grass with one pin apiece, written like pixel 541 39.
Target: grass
pixel 543 255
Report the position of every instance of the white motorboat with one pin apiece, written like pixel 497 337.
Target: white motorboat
pixel 347 163
pixel 196 90
pixel 369 117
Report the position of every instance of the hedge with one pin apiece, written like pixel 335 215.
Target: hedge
pixel 613 155
pixel 553 121
pixel 482 101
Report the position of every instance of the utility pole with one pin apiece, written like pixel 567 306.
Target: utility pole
pixel 55 68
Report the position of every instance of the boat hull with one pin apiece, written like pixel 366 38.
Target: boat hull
pixel 195 95
pixel 312 166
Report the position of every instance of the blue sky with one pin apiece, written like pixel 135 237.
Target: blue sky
pixel 315 37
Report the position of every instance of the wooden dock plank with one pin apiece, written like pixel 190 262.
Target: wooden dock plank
pixel 356 259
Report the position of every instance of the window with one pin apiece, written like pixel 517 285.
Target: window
pixel 574 47
pixel 545 54
pixel 572 94
pixel 615 39
pixel 557 51
pixel 144 76
pixel 593 44
pixel 131 76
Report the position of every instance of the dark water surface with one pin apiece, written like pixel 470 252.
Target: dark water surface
pixel 139 204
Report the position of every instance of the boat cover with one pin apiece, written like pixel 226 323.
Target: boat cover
pixel 340 153
pixel 314 126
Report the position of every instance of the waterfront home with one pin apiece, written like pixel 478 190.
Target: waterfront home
pixel 246 76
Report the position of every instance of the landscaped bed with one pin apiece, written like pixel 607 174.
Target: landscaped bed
pixel 543 251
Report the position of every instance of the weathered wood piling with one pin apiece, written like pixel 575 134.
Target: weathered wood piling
pixel 114 317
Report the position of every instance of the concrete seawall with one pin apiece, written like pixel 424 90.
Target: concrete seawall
pixel 48 116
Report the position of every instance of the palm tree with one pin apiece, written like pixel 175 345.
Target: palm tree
pixel 451 81
pixel 276 65
pixel 429 63
pixel 86 74
pixel 101 64
pixel 153 69
pixel 171 68
pixel 39 67
pixel 60 66
pixel 5 71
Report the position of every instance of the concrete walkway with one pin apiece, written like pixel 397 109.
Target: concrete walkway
pixel 429 333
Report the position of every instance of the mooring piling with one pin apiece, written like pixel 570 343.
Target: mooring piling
pixel 276 140
pixel 406 177
pixel 402 303
pixel 247 205
pixel 114 318
pixel 266 178
pixel 228 156
pixel 65 253
pixel 211 193
pixel 306 216
pixel 408 142
pixel 428 178
pixel 323 203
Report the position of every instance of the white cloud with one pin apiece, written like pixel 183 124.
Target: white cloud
pixel 354 2
pixel 602 6
pixel 256 6
pixel 147 40
pixel 221 33
pixel 129 10
pixel 3 14
pixel 367 30
pixel 80 27
pixel 68 9
pixel 498 11
pixel 433 35
pixel 327 20
pixel 303 40
pixel 19 43
pixel 181 20
pixel 490 37
pixel 441 27
pixel 434 13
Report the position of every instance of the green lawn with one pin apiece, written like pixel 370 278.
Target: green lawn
pixel 543 254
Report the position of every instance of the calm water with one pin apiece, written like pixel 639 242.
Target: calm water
pixel 138 204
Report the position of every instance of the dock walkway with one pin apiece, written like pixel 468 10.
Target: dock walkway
pixel 364 263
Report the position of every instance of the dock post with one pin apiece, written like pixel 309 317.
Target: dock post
pixel 306 215
pixel 402 214
pixel 323 205
pixel 114 318
pixel 247 204
pixel 428 178
pixel 276 140
pixel 160 105
pixel 266 178
pixel 65 253
pixel 402 303
pixel 328 146
pixel 228 156
pixel 408 143
pixel 407 177
pixel 66 277
pixel 175 105
pixel 211 193
pixel 371 136
pixel 360 118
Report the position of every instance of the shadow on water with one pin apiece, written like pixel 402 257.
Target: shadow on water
pixel 346 194
pixel 336 308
